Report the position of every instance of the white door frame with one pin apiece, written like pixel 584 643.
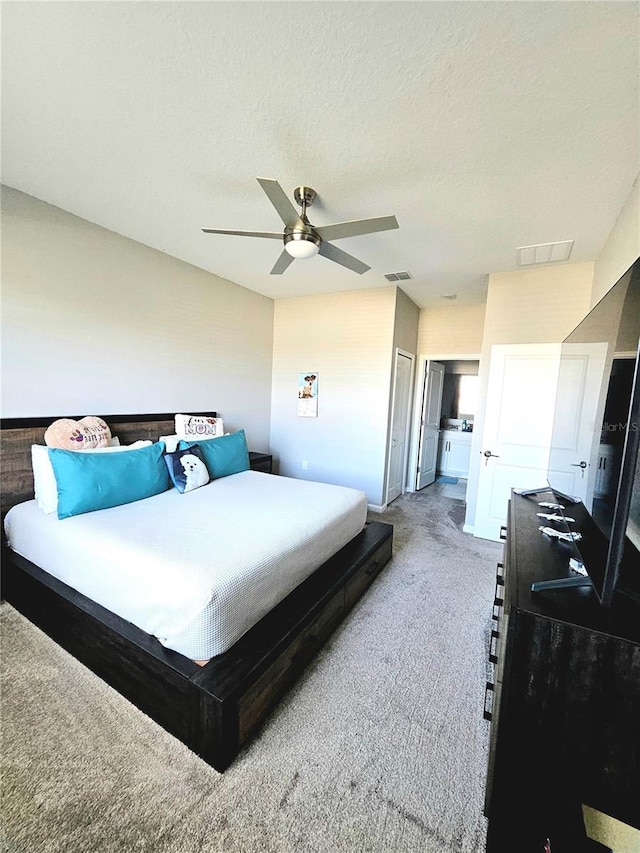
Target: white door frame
pixel 412 358
pixel 417 404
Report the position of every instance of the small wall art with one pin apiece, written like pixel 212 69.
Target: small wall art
pixel 308 395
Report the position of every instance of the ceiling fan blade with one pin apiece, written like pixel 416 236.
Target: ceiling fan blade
pixel 357 227
pixel 278 198
pixel 273 235
pixel 282 263
pixel 340 257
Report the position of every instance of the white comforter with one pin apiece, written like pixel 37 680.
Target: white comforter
pixel 195 570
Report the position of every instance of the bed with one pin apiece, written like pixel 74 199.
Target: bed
pixel 217 707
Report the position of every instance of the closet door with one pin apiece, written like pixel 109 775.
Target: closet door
pixel 398 436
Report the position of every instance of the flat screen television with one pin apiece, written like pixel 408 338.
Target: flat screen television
pixel 594 457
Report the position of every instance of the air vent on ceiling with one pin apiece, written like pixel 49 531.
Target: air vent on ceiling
pixel 544 253
pixel 398 276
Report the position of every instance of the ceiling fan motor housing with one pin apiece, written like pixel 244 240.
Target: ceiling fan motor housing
pixel 304 195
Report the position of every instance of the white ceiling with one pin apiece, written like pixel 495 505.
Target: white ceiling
pixel 483 126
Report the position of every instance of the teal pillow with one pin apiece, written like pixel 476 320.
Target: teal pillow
pixel 88 481
pixel 225 455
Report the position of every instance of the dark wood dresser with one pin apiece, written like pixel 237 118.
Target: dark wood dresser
pixel 563 699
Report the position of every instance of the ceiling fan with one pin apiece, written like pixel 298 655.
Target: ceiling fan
pixel 301 238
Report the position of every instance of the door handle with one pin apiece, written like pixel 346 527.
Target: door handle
pixel 488 454
pixel 581 465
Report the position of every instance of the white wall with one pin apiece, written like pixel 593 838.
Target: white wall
pixel 94 323
pixel 347 339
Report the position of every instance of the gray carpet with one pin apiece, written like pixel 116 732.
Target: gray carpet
pixel 380 746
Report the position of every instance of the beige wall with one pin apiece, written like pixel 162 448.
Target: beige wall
pixel 348 340
pixel 622 247
pixel 454 329
pixel 537 305
pixel 94 323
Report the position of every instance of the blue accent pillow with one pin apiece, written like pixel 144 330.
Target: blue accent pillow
pixel 187 468
pixel 225 455
pixel 89 481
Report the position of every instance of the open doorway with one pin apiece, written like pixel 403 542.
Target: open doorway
pixel 455 418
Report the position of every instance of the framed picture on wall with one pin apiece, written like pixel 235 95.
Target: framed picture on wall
pixel 308 395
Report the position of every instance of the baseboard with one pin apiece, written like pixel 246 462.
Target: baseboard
pixel 469 528
pixel 377 507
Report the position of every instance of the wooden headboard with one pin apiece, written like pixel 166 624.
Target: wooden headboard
pixel 18 434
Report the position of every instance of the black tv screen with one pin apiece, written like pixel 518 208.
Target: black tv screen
pixel 594 454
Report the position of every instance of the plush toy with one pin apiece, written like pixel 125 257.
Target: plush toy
pixel 86 434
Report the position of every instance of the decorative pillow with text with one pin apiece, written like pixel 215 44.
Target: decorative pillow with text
pixel 89 433
pixel 193 427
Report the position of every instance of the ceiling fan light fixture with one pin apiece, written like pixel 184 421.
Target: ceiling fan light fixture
pixel 301 245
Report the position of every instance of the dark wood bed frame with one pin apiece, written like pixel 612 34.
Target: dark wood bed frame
pixel 214 709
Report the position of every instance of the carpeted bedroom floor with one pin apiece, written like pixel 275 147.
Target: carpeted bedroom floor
pixel 381 745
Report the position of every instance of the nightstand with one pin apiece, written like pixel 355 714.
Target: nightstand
pixel 260 461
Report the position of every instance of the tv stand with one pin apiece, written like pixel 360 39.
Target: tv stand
pixel 563 700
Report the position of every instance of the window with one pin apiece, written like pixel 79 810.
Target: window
pixel 467 396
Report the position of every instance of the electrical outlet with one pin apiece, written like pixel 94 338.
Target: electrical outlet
pixel 305 464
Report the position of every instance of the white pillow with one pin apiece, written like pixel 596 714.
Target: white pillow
pixel 44 480
pixel 171 442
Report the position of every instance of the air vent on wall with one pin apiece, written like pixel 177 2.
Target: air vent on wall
pixel 398 276
pixel 544 253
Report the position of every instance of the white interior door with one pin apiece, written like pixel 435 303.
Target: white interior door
pixel 432 383
pixel 521 397
pixel 575 440
pixel 399 425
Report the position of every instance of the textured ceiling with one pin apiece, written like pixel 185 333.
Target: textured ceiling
pixel 481 126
